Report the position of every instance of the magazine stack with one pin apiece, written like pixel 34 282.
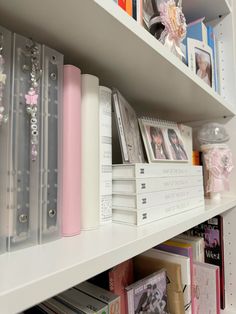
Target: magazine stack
pixel 143 193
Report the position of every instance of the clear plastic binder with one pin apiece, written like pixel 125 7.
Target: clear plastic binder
pixel 23 171
pixel 51 135
pixel 5 95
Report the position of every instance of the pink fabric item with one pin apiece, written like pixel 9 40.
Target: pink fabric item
pixel 174 21
pixel 71 174
pixel 219 163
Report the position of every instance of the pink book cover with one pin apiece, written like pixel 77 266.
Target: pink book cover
pixel 184 250
pixel 207 288
pixel 212 231
pixel 71 157
pixel 120 277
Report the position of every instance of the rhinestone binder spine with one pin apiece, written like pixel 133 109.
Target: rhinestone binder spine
pixel 23 204
pixel 51 130
pixel 6 46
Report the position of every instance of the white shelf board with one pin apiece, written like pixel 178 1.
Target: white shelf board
pixel 32 275
pixel 204 8
pixel 103 40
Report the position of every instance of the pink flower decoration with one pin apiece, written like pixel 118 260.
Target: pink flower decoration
pixel 31 98
pixel 173 19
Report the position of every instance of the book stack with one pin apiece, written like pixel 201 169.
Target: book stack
pixel 202 277
pixel 143 193
pixel 85 298
pixel 194 285
pixel 212 233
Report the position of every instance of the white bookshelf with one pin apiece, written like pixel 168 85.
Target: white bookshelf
pixel 34 274
pixel 103 40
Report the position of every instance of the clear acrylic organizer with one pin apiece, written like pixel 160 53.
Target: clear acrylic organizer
pixel 51 136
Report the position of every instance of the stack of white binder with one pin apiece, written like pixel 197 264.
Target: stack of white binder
pixel 143 193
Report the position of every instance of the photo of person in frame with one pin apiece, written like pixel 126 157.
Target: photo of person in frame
pixel 145 301
pixel 176 146
pixel 132 135
pixel 158 303
pixel 203 65
pixel 158 144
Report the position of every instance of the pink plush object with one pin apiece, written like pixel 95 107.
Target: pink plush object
pixel 219 163
pixel 174 21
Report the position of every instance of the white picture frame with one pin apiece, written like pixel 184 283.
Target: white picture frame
pixel 201 61
pixel 158 141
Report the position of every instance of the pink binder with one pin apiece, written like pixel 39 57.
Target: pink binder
pixel 71 185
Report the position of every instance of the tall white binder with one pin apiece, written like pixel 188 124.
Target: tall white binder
pixel 90 154
pixel 105 154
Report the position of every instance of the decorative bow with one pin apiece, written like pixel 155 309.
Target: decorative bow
pixel 174 21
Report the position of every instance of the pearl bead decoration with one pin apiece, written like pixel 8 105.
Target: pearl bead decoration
pixel 3 78
pixel 31 99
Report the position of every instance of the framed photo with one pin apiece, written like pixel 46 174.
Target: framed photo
pixel 162 141
pixel 128 130
pixel 201 61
